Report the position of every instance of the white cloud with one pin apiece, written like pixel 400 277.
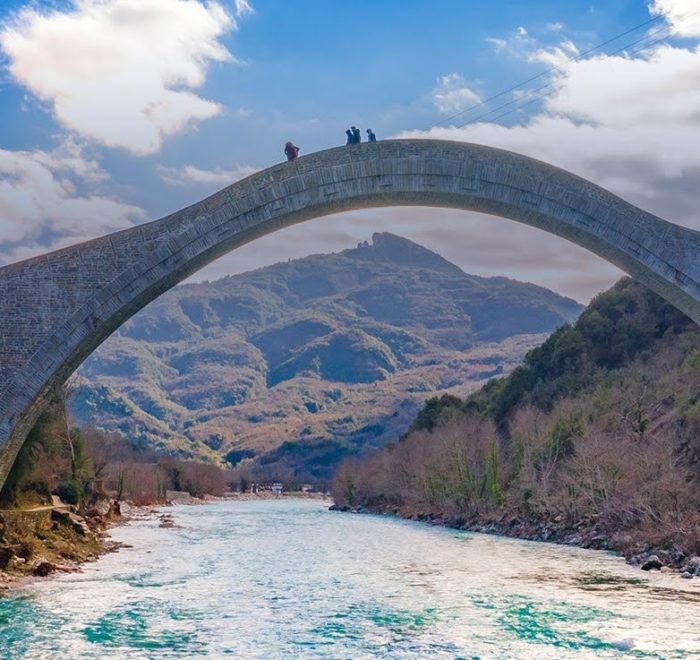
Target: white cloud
pixel 683 15
pixel 498 44
pixel 121 72
pixel 191 175
pixel 558 56
pixel 68 158
pixel 41 208
pixel 453 94
pixel 243 7
pixel 518 43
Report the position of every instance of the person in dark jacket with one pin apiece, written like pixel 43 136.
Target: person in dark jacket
pixel 356 135
pixel 291 151
pixel 371 137
pixel 351 138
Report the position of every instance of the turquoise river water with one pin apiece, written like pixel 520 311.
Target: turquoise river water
pixel 289 579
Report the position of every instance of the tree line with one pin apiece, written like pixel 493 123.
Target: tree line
pixel 72 463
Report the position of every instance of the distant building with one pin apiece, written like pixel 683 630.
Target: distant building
pixel 307 488
pixel 277 488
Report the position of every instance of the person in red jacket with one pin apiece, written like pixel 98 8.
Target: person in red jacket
pixel 291 151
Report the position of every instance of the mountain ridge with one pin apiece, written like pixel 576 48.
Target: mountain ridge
pixel 251 361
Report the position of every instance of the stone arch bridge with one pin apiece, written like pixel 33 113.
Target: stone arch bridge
pixel 57 308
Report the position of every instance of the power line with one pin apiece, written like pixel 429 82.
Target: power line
pixel 548 71
pixel 540 96
pixel 667 30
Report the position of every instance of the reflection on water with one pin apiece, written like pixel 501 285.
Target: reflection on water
pixel 288 579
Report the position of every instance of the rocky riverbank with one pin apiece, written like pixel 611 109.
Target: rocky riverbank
pixel 646 556
pixel 44 540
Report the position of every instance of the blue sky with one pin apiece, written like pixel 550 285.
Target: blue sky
pixel 119 111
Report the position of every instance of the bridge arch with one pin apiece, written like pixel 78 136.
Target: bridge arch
pixel 57 308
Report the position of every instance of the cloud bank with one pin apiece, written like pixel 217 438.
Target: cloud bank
pixel 683 15
pixel 42 208
pixel 188 175
pixel 453 94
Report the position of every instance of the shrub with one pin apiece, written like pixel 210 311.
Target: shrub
pixel 436 412
pixel 70 491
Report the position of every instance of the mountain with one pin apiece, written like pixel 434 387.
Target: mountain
pixel 593 440
pixel 305 362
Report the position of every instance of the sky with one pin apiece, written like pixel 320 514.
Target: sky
pixel 117 112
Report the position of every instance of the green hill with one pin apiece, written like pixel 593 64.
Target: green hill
pixel 593 440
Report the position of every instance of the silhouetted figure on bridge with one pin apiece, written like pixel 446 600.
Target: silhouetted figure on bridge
pixel 291 151
pixel 371 137
pixel 351 139
pixel 356 136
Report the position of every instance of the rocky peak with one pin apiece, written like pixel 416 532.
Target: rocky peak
pixel 395 249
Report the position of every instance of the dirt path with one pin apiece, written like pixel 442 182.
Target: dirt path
pixel 56 506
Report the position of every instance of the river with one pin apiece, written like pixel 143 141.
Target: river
pixel 289 579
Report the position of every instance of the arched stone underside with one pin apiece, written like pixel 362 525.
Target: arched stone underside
pixel 57 308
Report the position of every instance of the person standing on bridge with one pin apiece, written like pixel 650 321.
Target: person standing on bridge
pixel 351 138
pixel 356 135
pixel 371 137
pixel 291 151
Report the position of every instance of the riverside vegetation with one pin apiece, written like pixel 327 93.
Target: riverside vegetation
pixel 66 488
pixel 594 440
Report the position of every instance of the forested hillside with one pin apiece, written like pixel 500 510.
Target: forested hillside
pixel 593 440
pixel 295 366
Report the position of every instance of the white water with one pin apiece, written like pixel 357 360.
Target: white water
pixel 289 579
